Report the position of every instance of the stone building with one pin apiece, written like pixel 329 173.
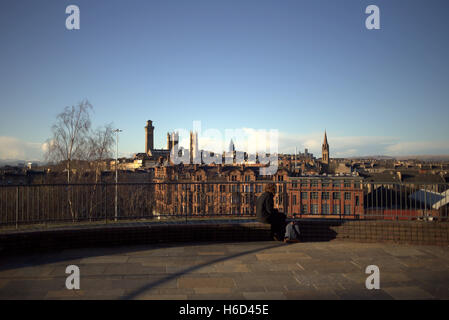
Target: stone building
pixel 232 190
pixel 156 154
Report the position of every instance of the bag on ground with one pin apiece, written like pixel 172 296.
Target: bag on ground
pixel 292 233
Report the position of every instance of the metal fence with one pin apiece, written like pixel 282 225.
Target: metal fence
pixel 37 204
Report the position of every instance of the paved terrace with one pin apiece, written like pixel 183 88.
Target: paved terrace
pixel 245 270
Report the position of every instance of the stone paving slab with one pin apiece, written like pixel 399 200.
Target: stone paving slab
pixel 247 270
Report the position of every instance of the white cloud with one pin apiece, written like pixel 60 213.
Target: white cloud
pixel 418 147
pixel 13 148
pixel 246 139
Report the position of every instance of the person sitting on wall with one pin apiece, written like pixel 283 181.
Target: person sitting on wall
pixel 266 213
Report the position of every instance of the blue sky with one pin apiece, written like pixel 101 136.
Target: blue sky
pixel 296 66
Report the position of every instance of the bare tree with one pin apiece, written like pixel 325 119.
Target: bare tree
pixel 100 143
pixel 74 144
pixel 70 136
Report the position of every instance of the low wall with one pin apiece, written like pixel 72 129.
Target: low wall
pixel 410 232
pixel 407 232
pixel 129 234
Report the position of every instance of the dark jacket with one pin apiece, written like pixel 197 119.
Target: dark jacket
pixel 265 207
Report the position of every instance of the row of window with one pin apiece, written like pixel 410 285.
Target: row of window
pixel 316 184
pixel 278 199
pixel 324 196
pixel 251 188
pixel 325 209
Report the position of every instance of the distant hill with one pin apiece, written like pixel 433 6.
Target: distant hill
pixel 410 157
pixel 425 157
pixel 15 162
pixel 378 157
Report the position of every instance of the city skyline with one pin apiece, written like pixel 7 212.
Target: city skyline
pixel 298 66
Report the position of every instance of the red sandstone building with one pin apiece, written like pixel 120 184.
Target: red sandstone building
pixel 233 190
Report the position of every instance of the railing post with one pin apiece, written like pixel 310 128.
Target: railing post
pixel 17 207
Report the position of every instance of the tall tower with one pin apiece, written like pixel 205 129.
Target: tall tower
pixel 325 150
pixel 172 140
pixel 194 154
pixel 231 146
pixel 149 137
pixel 169 144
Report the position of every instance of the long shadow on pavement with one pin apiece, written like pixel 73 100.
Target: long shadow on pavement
pixel 151 285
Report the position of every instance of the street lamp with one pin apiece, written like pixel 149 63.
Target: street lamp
pixel 116 170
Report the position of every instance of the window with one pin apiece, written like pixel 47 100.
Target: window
pixel 222 188
pixel 336 195
pixel 294 199
pixel 304 184
pixel 294 185
pixel 304 208
pixel 357 185
pixel 314 183
pixel 314 195
pixel 325 208
pixel 336 184
pixel 325 184
pixel 347 195
pixel 347 184
pixel 304 195
pixel 357 202
pixel 325 195
pixel 314 208
pixel 347 209
pixel 336 209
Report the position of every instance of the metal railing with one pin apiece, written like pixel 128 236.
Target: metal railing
pixel 75 203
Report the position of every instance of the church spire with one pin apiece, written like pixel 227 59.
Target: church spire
pixel 231 146
pixel 325 150
pixel 325 138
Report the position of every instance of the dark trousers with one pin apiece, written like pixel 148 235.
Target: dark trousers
pixel 278 224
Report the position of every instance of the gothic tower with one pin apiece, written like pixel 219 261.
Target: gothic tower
pixel 194 152
pixel 325 150
pixel 172 140
pixel 149 137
